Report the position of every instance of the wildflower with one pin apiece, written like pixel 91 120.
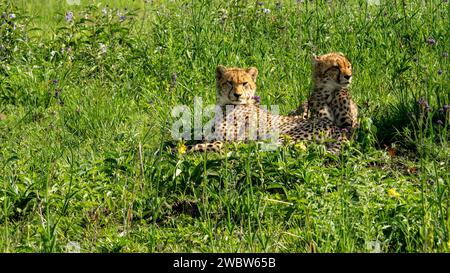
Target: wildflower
pixel 69 17
pixel 102 48
pixel 446 107
pixel 257 99
pixel 286 138
pixel 181 148
pixel 12 16
pixel 58 92
pixel 445 54
pixel 173 84
pixel 439 72
pixel 422 102
pixel 105 11
pixel 266 11
pixel 69 50
pixel 439 122
pixel 121 17
pixel 431 41
pixel 55 81
pixel 300 146
pixel 392 192
pixel 260 3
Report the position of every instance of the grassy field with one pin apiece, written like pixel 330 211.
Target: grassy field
pixel 85 118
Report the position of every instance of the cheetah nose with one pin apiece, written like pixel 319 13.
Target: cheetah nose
pixel 237 95
pixel 347 77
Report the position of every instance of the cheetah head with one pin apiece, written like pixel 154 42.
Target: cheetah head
pixel 332 69
pixel 236 85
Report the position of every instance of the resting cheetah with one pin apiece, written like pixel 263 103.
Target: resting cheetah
pixel 242 119
pixel 330 98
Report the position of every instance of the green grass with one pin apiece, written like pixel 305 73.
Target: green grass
pixel 87 166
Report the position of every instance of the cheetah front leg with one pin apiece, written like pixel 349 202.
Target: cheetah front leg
pixel 345 110
pixel 215 146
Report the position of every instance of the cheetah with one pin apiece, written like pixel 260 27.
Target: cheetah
pixel 331 98
pixel 242 119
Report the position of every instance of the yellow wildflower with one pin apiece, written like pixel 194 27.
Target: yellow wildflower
pixel 300 146
pixel 181 148
pixel 286 138
pixel 393 193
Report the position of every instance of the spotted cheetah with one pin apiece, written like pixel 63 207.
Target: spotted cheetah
pixel 330 98
pixel 242 119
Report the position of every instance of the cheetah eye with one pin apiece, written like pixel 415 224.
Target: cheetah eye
pixel 230 83
pixel 244 83
pixel 335 67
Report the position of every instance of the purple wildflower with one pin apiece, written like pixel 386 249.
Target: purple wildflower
pixel 103 48
pixel 423 103
pixel 55 81
pixel 266 11
pixel 12 16
pixel 431 41
pixel 257 99
pixel 446 107
pixel 439 72
pixel 260 3
pixel 122 18
pixel 58 92
pixel 69 17
pixel 445 54
pixel 173 84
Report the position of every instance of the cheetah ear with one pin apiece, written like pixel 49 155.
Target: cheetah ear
pixel 314 58
pixel 220 70
pixel 253 71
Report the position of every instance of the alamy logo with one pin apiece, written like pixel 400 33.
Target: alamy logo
pixel 373 2
pixel 226 123
pixel 73 2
